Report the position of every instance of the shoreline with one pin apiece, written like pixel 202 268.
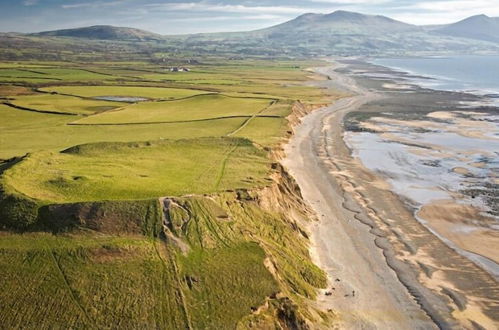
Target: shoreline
pixel 367 239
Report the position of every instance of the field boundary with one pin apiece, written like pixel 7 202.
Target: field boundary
pixel 18 107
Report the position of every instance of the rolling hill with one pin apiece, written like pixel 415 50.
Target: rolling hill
pixel 103 32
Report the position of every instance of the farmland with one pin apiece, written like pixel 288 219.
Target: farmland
pixel 147 212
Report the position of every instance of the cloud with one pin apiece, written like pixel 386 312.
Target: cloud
pixel 352 2
pixel 224 18
pixel 92 4
pixel 446 11
pixel 209 7
pixel 30 2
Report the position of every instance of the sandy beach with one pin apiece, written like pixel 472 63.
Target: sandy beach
pixel 386 270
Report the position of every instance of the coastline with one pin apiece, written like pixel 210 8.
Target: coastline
pixel 387 270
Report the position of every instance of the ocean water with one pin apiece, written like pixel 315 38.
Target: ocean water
pixel 469 73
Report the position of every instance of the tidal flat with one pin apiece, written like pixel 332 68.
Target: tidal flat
pixel 444 166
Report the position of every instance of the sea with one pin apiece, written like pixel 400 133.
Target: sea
pixel 476 74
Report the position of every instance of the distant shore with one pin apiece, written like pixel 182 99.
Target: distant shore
pixel 386 270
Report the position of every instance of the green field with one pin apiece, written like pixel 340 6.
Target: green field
pixel 127 171
pixel 191 109
pixel 86 239
pixel 63 104
pixel 131 91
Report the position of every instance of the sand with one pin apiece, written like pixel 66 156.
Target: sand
pixel 388 271
pixel 457 222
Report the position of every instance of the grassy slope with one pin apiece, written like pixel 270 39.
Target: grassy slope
pixel 139 170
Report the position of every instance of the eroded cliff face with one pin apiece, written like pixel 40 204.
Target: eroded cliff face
pixel 274 217
pixel 298 111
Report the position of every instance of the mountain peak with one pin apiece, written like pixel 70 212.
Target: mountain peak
pixel 479 16
pixel 481 27
pixel 345 14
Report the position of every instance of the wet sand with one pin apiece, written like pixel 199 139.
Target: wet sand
pixel 386 270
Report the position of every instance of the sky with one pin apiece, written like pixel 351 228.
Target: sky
pixel 195 16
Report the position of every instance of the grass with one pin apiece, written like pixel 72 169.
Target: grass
pixel 126 282
pixel 114 171
pixel 245 284
pixel 63 104
pixel 132 91
pixel 195 108
pixel 112 264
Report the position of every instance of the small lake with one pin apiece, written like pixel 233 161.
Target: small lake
pixel 130 99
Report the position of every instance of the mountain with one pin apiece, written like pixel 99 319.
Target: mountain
pixel 341 23
pixel 480 27
pixel 103 32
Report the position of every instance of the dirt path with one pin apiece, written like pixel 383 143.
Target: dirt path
pixel 386 270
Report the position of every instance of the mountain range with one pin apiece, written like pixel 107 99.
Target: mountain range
pixel 337 33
